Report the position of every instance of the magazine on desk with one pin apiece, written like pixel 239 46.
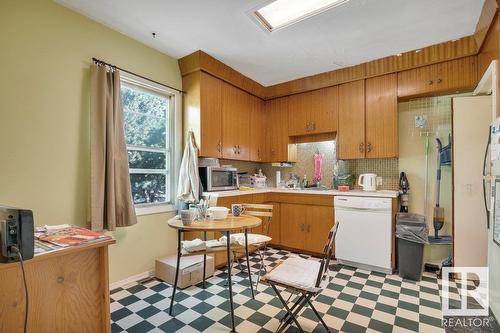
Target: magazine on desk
pixel 68 235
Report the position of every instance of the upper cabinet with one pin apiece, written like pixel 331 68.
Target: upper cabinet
pixel 351 125
pixel 450 76
pixel 381 117
pixel 278 148
pixel 237 107
pixel 258 131
pixel 203 111
pixel 313 112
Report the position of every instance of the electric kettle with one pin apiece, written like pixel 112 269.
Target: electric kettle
pixel 368 181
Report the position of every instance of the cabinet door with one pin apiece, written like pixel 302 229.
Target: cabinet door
pixel 210 116
pixel 381 117
pixel 293 225
pixel 351 128
pixel 277 129
pixel 257 130
pixel 299 112
pixel 236 109
pixel 319 223
pixel 455 75
pixel 324 110
pixel 414 82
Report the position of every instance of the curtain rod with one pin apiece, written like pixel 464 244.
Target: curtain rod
pixel 98 61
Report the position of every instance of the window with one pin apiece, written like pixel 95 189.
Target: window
pixel 149 121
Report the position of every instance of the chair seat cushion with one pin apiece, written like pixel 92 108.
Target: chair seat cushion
pixel 296 272
pixel 252 238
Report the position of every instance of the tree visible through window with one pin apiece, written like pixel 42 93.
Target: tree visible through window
pixel 146 118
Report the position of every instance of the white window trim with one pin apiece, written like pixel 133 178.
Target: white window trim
pixel 175 139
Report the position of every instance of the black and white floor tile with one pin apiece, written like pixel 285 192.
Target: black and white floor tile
pixel 355 301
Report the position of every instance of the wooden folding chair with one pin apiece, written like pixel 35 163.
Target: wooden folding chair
pixel 307 277
pixel 258 241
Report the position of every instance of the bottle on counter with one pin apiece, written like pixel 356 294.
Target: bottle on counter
pixel 304 182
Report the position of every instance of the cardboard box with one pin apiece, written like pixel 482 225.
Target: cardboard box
pixel 190 273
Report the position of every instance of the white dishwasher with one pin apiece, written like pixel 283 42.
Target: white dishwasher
pixel 364 237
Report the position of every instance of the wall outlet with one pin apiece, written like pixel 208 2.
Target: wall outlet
pixel 379 181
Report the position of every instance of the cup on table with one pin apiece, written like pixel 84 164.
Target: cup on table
pixel 237 209
pixel 187 216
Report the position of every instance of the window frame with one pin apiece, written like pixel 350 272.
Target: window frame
pixel 173 142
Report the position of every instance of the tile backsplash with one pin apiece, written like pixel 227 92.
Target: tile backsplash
pixel 387 168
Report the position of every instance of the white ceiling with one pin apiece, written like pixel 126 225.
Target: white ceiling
pixel 353 33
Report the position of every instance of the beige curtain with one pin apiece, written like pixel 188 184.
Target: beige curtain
pixel 111 202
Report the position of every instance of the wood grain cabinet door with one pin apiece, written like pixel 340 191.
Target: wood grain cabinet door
pixel 351 126
pixel 324 110
pixel 414 82
pixel 236 111
pixel 210 116
pixel 319 222
pixel 299 114
pixel 293 225
pixel 257 130
pixel 277 129
pixel 381 119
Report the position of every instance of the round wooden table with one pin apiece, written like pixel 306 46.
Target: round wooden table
pixel 226 226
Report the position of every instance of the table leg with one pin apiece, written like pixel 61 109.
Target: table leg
pixel 204 260
pixel 248 264
pixel 179 232
pixel 230 285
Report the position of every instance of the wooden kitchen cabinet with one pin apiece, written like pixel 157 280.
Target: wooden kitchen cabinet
pixel 257 130
pixel 381 117
pixel 313 112
pixel 351 120
pixel 237 107
pixel 277 139
pixel 305 227
pixel 203 111
pixel 450 76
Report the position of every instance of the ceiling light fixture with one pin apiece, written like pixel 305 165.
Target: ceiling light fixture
pixel 281 13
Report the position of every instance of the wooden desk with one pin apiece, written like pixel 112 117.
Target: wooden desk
pixel 68 291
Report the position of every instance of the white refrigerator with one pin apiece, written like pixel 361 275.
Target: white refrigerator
pixel 472 118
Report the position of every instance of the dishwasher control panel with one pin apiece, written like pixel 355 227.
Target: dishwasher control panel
pixel 369 203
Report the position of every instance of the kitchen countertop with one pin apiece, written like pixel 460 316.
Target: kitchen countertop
pixel 356 193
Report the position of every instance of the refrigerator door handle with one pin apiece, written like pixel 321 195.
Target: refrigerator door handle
pixel 485 196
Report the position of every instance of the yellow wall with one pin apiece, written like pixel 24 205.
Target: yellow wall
pixel 45 55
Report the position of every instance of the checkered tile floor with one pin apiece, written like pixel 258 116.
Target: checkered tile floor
pixel 355 301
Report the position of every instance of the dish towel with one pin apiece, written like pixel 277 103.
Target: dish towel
pixel 189 178
pixel 194 245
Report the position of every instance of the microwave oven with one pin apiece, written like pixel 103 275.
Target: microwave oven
pixel 218 178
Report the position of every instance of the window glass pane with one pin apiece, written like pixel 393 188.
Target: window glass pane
pixel 148 188
pixel 145 131
pixel 140 101
pixel 146 160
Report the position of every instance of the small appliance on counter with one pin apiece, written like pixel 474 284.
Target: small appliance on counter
pixel 368 181
pixel 223 178
pixel 258 180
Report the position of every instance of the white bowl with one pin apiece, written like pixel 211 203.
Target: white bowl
pixel 219 213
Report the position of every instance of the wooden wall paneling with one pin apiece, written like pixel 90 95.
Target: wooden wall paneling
pixel 381 117
pixel 200 60
pixel 351 127
pixel 490 47
pixel 486 18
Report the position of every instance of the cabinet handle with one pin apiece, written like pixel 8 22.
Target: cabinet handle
pixel 258 152
pixel 302 227
pixel 308 127
pixel 308 228
pixel 239 150
pixel 439 81
pixel 369 147
pixel 430 82
pixel 218 147
pixel 235 150
pixel 313 126
pixel 361 147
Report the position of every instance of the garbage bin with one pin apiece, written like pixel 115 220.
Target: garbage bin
pixel 412 234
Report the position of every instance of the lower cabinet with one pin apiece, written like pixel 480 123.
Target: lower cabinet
pixel 305 227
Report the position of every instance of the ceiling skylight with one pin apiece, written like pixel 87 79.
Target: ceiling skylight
pixel 281 13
